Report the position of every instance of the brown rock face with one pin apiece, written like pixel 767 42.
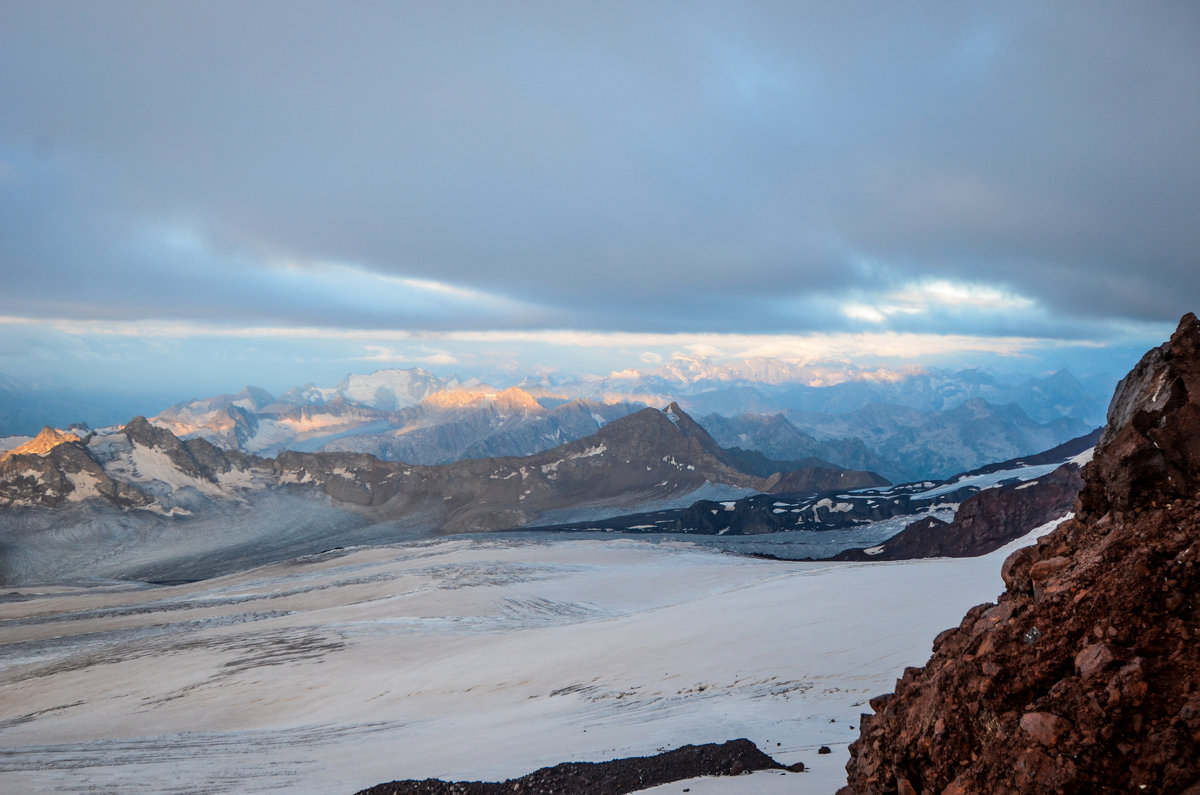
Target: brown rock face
pixel 1085 677
pixel 1151 442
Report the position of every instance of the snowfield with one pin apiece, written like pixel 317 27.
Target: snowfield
pixel 468 658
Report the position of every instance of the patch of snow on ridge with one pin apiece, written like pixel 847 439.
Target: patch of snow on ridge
pixel 588 453
pixel 991 479
pixel 1084 458
pixel 243 479
pixel 150 466
pixel 829 504
pixel 85 486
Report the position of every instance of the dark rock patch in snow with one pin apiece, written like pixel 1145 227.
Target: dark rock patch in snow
pixel 606 778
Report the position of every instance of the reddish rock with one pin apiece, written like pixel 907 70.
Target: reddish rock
pixel 1084 678
pixel 1044 727
pixel 1045 569
pixel 1095 658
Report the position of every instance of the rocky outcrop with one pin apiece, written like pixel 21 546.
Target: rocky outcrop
pixel 1083 677
pixel 56 467
pixel 607 778
pixel 43 443
pixel 139 466
pixel 141 432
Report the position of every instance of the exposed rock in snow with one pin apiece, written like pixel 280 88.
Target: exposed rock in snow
pixel 732 758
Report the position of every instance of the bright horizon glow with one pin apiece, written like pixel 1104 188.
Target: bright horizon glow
pixel 811 346
pixel 204 358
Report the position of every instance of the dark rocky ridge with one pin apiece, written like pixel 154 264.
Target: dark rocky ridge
pixel 606 778
pixel 984 522
pixel 818 499
pixel 48 478
pixel 647 457
pixel 1084 676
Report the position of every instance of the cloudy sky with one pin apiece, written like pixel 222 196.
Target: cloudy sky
pixel 279 192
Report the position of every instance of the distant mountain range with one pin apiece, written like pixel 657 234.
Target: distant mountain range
pixel 133 490
pixel 397 415
pixel 138 502
pixel 766 386
pixel 905 425
pixel 970 514
pixel 900 443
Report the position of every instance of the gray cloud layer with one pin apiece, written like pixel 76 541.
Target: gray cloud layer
pixel 647 166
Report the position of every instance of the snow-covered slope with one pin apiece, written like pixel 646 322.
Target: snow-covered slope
pixel 463 659
pixel 389 390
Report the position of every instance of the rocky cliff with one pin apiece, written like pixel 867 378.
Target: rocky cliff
pixel 1084 676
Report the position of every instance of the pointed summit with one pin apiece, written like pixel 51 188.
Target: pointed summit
pixel 46 440
pixel 693 430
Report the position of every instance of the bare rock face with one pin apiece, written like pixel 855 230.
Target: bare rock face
pixel 1151 442
pixel 56 468
pixel 1085 676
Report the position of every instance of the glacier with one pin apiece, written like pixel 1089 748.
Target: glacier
pixel 462 658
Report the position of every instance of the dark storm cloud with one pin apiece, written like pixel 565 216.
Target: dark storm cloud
pixel 643 166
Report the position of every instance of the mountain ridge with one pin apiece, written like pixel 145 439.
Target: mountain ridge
pixel 647 457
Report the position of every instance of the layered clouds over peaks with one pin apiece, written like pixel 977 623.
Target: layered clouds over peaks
pixel 292 182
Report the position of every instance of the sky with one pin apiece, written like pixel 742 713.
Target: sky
pixel 220 193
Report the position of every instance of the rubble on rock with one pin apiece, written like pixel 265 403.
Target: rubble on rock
pixel 1084 677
